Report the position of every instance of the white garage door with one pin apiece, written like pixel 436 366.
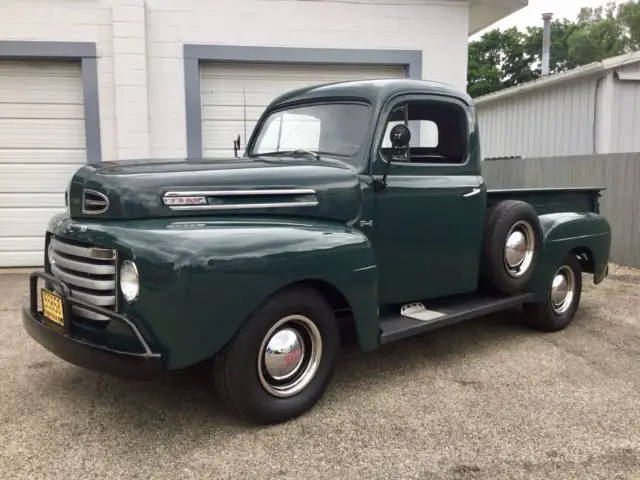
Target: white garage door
pixel 41 144
pixel 224 87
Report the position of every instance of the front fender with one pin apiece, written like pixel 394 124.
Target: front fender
pixel 201 279
pixel 566 232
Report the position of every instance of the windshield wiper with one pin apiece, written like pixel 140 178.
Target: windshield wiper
pixel 292 152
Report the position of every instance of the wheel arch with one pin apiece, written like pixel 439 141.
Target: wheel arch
pixel 587 235
pixel 349 309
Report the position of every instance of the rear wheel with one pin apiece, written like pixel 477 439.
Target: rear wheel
pixel 563 299
pixel 281 361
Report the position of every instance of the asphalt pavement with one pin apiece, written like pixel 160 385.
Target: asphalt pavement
pixel 488 399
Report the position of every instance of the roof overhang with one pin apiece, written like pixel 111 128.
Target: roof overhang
pixel 484 13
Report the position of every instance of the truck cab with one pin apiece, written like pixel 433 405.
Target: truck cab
pixel 356 202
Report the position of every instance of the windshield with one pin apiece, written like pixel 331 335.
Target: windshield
pixel 328 129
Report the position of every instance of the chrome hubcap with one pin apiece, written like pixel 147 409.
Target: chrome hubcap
pixel 289 356
pixel 562 290
pixel 518 252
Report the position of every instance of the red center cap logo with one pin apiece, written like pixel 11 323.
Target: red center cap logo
pixel 293 356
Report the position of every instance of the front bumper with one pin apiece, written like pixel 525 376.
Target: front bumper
pixel 97 358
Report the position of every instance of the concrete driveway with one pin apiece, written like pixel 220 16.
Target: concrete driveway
pixel 487 399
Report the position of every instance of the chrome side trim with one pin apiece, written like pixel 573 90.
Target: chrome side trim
pixel 229 193
pixel 83 282
pixel 246 205
pixel 240 193
pixel 82 266
pixel 86 252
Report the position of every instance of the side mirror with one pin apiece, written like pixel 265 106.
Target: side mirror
pixel 400 136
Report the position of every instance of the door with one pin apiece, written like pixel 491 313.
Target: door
pixel 429 216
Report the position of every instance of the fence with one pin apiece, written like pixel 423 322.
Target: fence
pixel 618 173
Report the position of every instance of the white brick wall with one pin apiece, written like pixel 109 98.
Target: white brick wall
pixel 140 69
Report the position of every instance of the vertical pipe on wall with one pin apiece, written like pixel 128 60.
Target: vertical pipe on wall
pixel 546 42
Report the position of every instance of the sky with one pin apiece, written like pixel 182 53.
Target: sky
pixel 532 14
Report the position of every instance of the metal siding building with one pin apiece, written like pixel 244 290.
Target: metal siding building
pixel 588 110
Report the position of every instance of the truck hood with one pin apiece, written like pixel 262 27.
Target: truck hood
pixel 326 188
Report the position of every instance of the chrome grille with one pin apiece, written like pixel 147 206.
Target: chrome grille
pixel 89 272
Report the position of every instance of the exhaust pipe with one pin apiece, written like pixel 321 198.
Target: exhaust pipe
pixel 546 42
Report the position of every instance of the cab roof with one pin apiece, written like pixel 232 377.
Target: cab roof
pixel 374 90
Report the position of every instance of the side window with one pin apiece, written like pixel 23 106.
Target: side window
pixel 437 133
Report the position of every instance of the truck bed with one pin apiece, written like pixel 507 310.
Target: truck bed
pixel 552 200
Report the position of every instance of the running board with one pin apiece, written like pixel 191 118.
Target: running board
pixel 416 318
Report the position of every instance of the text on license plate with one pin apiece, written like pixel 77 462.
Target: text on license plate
pixel 52 307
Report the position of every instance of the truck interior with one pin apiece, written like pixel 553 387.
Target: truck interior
pixel 437 133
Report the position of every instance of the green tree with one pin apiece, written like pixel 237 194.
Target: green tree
pixel 599 35
pixel 503 59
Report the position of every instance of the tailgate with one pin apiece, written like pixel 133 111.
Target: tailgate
pixel 552 200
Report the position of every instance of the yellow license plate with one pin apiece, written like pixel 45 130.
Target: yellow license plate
pixel 52 307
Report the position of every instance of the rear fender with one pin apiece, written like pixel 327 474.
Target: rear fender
pixel 566 232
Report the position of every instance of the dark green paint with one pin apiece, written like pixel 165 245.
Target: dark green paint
pixel 204 272
pixel 201 278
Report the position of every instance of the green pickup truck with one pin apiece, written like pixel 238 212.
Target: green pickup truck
pixel 356 207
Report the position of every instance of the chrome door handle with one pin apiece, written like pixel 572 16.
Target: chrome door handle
pixel 472 193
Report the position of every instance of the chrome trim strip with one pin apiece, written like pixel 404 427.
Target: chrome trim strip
pixel 81 251
pixel 83 282
pixel 243 206
pixel 89 314
pixel 85 202
pixel 82 266
pixel 100 300
pixel 228 193
pixel 238 193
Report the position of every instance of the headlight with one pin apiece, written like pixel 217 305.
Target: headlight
pixel 50 253
pixel 129 283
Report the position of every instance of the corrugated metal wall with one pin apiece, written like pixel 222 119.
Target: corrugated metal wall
pixel 550 122
pixel 626 115
pixel 618 173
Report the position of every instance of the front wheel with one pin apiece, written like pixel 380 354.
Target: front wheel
pixel 281 361
pixel 565 290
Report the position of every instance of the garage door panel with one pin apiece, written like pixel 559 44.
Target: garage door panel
pixel 231 112
pixel 30 133
pixel 42 155
pixel 21 244
pixel 41 111
pixel 21 259
pixel 26 222
pixel 222 134
pixel 22 200
pixel 34 178
pixel 40 82
pixel 303 71
pixel 30 91
pixel 227 87
pixel 254 99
